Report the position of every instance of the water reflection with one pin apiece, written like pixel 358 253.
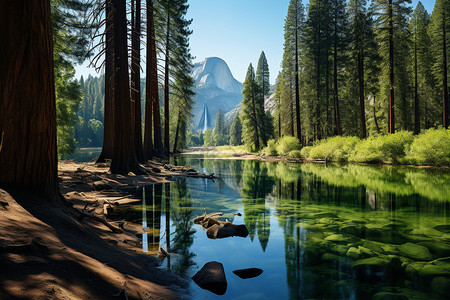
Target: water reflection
pixel 336 232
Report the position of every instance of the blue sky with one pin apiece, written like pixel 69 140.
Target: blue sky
pixel 237 31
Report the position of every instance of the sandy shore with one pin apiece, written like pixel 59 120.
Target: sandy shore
pixel 67 252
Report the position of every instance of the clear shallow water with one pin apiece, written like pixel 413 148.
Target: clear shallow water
pixel 317 232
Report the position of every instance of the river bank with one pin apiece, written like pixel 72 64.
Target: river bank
pixel 71 250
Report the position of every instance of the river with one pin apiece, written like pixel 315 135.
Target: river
pixel 316 231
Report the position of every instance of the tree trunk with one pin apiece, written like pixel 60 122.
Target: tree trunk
pixel 28 151
pixel 151 79
pixel 391 71
pixel 136 80
pixel 416 95
pixel 444 71
pixel 177 131
pixel 362 109
pixel 124 158
pixel 337 116
pixel 166 90
pixel 255 116
pixel 297 88
pixel 108 128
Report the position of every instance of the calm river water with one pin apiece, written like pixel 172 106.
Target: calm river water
pixel 317 232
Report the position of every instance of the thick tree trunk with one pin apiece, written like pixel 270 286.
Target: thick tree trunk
pixel 28 158
pixel 108 129
pixel 166 90
pixel 124 158
pixel 391 71
pixel 362 109
pixel 136 80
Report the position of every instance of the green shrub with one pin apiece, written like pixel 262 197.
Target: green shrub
pixel 270 149
pixel 337 148
pixel 286 144
pixel 394 146
pixel 431 147
pixel 367 151
pixel 295 154
pixel 305 152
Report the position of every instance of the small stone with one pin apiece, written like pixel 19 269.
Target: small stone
pixel 351 229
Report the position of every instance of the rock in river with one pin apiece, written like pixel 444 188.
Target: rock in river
pixel 414 251
pixel 211 277
pixel 248 273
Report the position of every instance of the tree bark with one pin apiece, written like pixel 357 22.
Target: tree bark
pixel 108 128
pixel 151 83
pixel 124 158
pixel 136 80
pixel 28 151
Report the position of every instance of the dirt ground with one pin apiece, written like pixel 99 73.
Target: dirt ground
pixel 66 251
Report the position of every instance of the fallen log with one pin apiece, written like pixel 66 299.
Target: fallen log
pixel 101 219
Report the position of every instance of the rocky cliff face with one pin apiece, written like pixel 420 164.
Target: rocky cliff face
pixel 215 88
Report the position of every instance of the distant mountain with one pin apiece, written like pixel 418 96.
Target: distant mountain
pixel 215 89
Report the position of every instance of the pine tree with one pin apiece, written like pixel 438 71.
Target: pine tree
pixel 236 131
pixel 363 50
pixel 439 28
pixel 251 106
pixel 393 36
pixel 124 156
pixel 293 29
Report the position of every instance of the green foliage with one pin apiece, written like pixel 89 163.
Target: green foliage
pixel 236 131
pixel 334 149
pixel 295 154
pixel 252 116
pixel 287 144
pixel 271 148
pixel 208 137
pixel 431 147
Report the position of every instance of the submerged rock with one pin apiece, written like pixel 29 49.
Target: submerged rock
pixel 436 248
pixel 354 253
pixel 441 286
pixel 431 271
pixel 443 228
pixel 389 296
pixel 352 229
pixel 211 277
pixel 414 251
pixel 248 273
